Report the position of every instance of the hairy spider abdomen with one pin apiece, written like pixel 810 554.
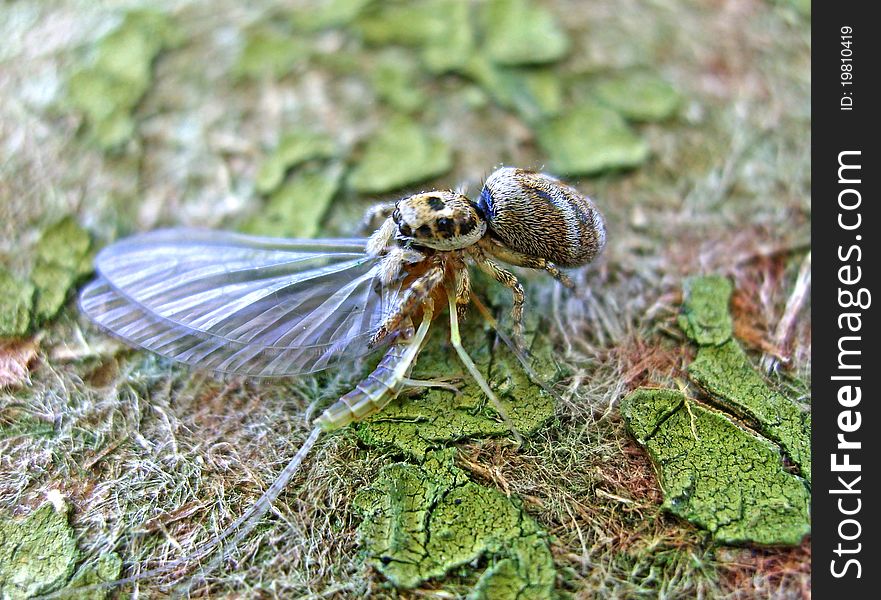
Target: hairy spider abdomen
pixel 538 215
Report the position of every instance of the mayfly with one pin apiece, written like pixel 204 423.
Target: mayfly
pixel 273 307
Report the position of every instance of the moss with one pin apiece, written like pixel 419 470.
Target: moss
pixel 108 91
pixel 399 154
pixel 38 553
pixel 396 81
pixel 716 474
pixel 725 373
pixel 535 94
pixel 647 408
pixel 436 417
pixel 723 370
pixel 129 50
pixel 63 257
pixel 298 207
pixel 25 425
pixel 107 103
pixel 294 149
pixel 588 139
pixel 441 29
pixel 268 52
pixel 519 32
pixel 639 96
pixel 422 521
pixel 108 567
pixel 192 167
pixel 324 14
pixel 705 317
pixel 16 302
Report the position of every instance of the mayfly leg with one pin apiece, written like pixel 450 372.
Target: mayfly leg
pixel 456 340
pixel 518 353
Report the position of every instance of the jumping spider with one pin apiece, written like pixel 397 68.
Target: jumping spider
pixel 522 218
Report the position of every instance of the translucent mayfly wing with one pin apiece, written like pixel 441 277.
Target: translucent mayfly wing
pixel 240 304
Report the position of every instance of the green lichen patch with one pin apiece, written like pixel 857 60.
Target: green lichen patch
pixel 639 96
pixel 534 94
pixel 325 14
pixel 441 29
pixel 108 91
pixel 272 53
pixel 716 474
pixel 396 80
pixel 588 139
pixel 294 149
pixel 297 208
pixel 723 370
pixel 705 316
pixel 129 50
pixel 401 153
pixel 16 302
pixel 63 257
pixel 725 373
pixel 108 567
pixel 422 521
pixel 436 417
pixel 38 553
pixel 519 32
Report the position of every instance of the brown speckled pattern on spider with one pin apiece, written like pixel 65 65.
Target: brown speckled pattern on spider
pixel 443 220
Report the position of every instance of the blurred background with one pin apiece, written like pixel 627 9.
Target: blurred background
pixel 687 122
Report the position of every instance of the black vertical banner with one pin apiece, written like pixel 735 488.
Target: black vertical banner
pixel 845 371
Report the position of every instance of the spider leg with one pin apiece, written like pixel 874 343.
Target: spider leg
pixel 416 294
pixel 381 238
pixel 375 215
pixel 519 259
pixel 391 264
pixel 519 354
pixel 456 341
pixel 509 280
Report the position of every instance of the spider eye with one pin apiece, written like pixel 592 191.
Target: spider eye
pixel 445 226
pixel 436 203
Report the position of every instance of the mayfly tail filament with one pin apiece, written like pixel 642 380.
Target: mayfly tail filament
pixel 241 527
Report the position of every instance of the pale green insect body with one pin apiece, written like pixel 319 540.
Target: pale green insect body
pixel 379 388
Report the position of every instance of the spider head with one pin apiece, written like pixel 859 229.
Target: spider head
pixel 443 220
